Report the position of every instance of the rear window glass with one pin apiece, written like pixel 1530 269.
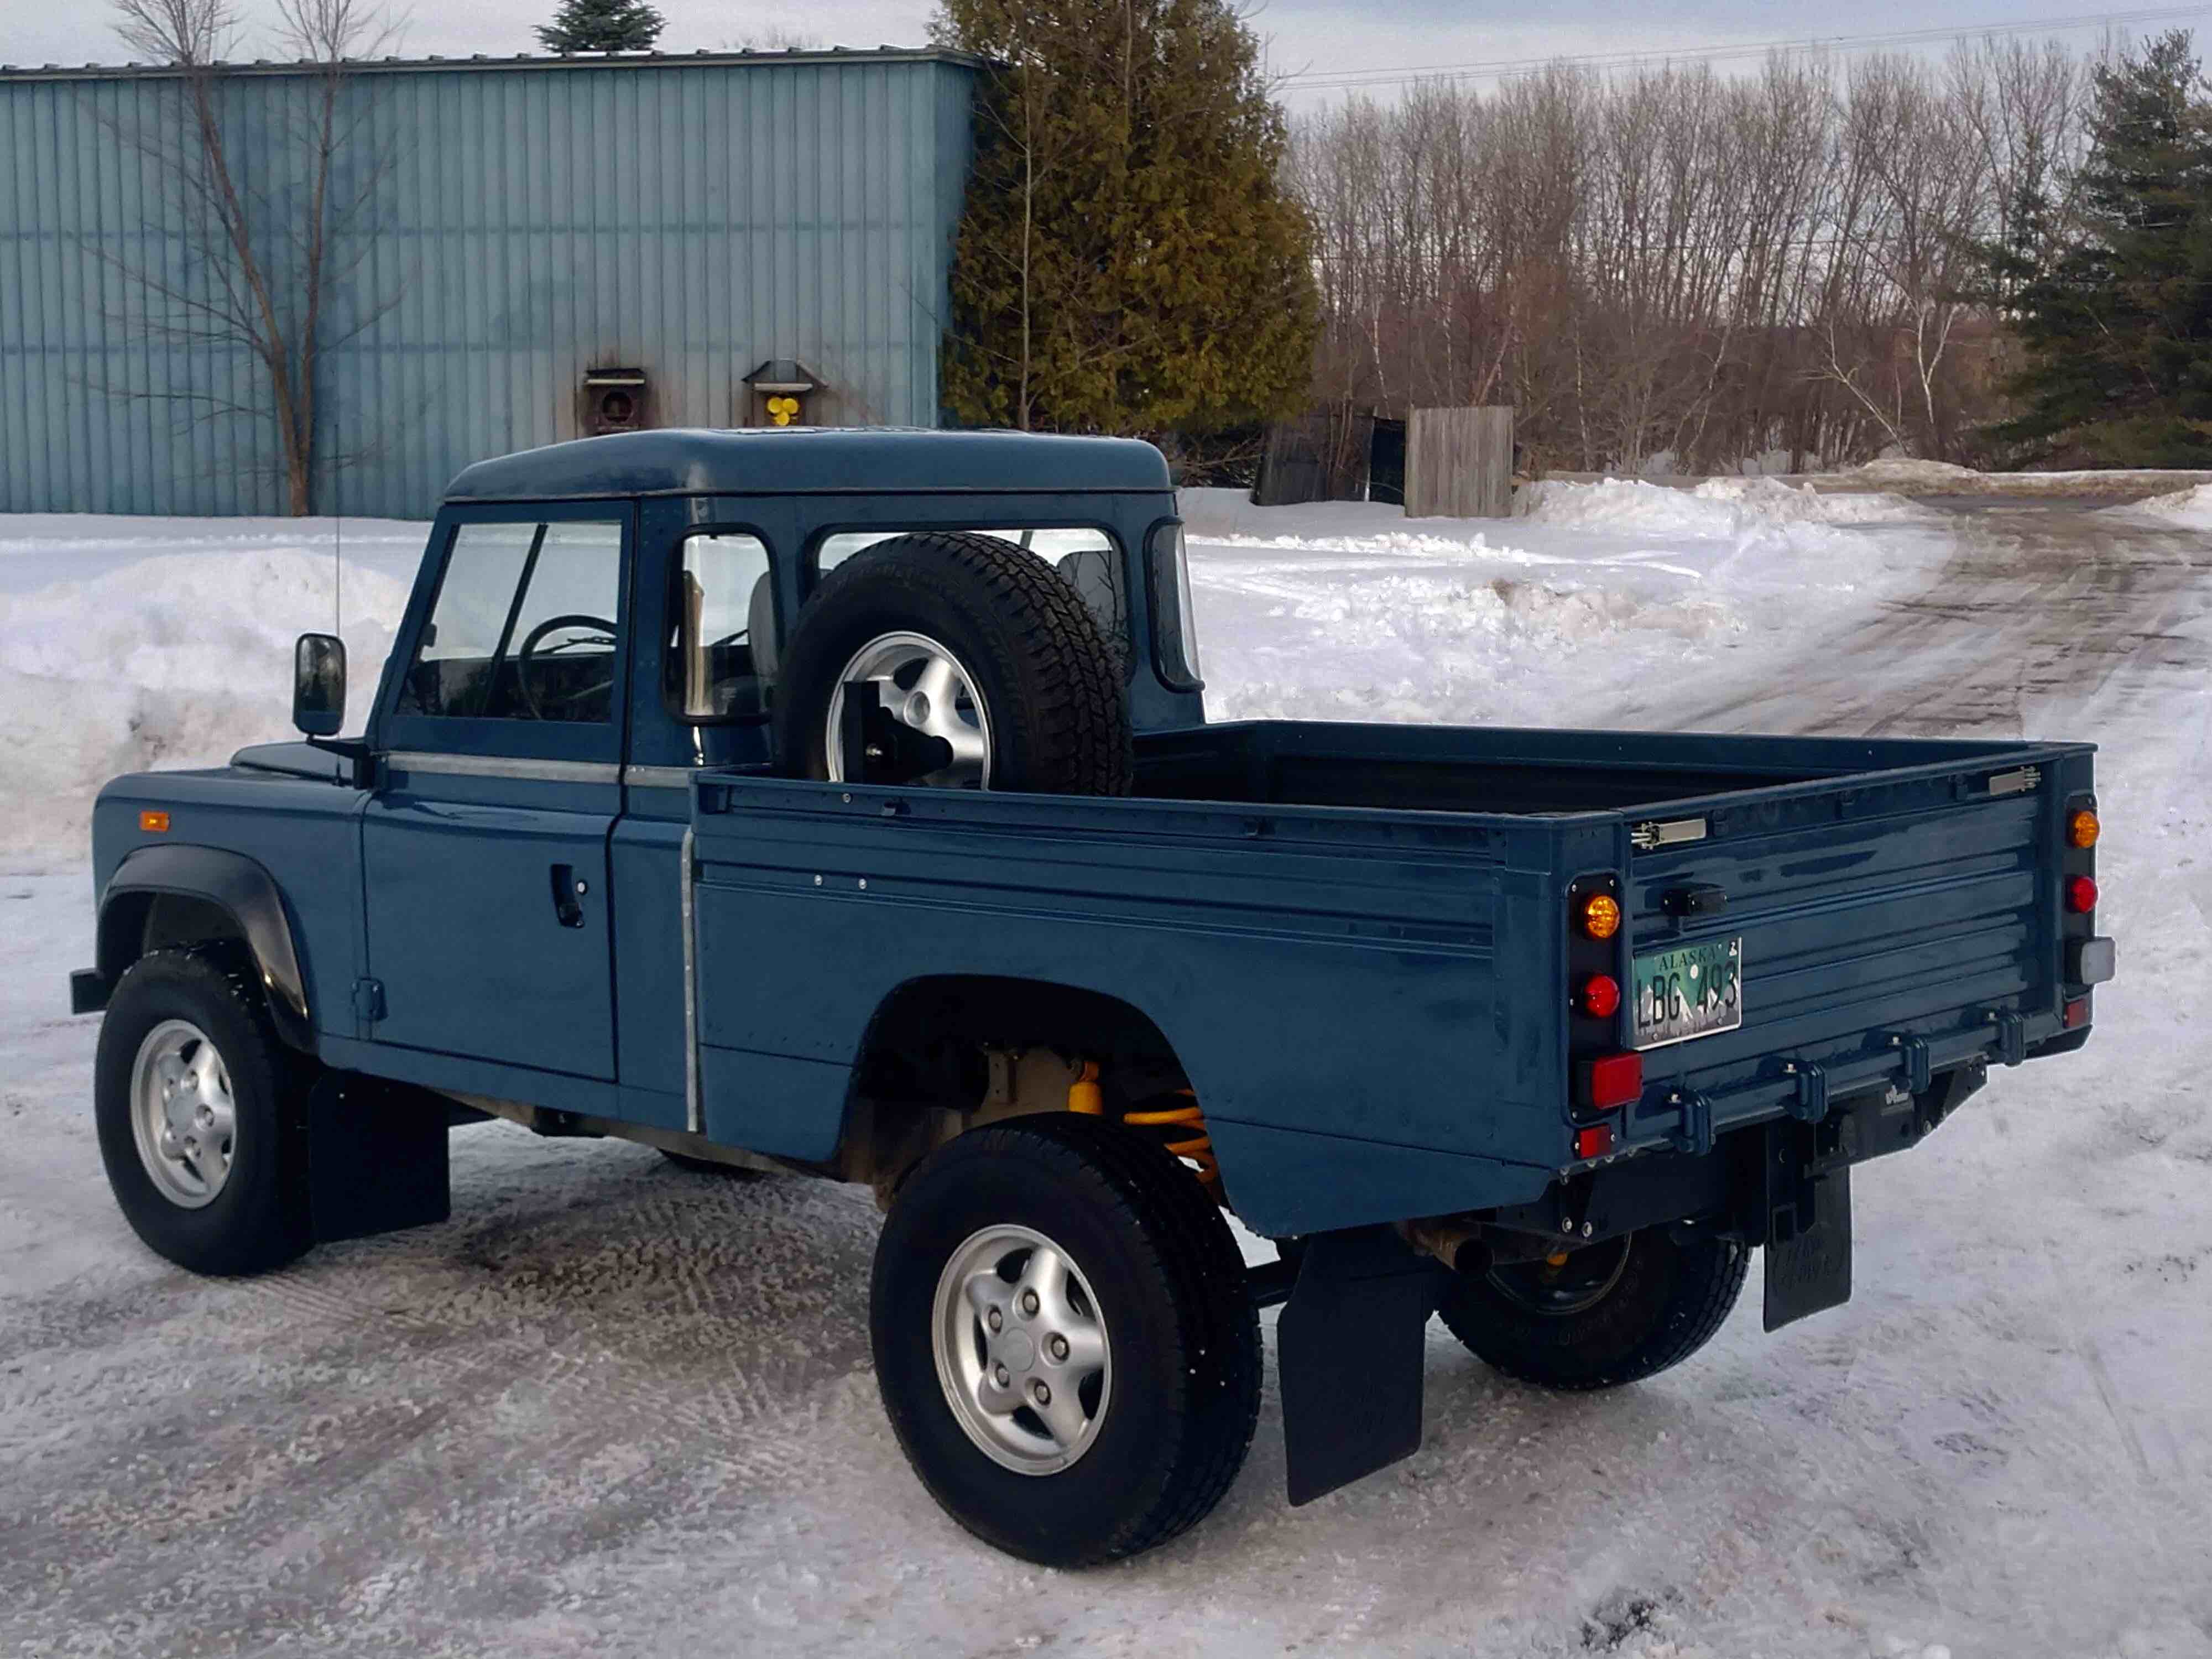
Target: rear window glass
pixel 1088 557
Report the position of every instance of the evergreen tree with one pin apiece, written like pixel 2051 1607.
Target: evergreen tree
pixel 2116 321
pixel 602 26
pixel 1127 260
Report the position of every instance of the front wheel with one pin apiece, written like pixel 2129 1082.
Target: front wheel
pixel 1609 1313
pixel 1065 1340
pixel 201 1115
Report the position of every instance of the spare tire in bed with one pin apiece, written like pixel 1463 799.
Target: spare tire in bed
pixel 952 660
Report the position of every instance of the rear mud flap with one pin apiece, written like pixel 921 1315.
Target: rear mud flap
pixel 1349 1351
pixel 376 1157
pixel 1808 1228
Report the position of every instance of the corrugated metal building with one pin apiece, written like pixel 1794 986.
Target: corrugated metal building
pixel 510 226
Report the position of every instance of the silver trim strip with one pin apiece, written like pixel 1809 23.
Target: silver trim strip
pixel 658 777
pixel 503 766
pixel 695 1117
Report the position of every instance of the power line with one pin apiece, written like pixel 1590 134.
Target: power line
pixel 1506 69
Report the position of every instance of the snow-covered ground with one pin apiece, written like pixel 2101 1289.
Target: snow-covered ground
pixel 613 1406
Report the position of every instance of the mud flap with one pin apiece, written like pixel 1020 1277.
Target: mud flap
pixel 1808 1228
pixel 1348 1351
pixel 376 1157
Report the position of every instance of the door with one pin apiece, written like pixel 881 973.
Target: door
pixel 485 850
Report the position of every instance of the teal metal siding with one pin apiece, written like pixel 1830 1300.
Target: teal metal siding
pixel 523 222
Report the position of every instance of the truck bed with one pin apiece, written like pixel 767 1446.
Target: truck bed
pixel 1355 936
pixel 1505 770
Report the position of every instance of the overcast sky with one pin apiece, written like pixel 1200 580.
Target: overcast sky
pixel 1303 35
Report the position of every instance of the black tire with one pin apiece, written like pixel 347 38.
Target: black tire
pixel 1615 1312
pixel 1051 680
pixel 1170 1286
pixel 257 1219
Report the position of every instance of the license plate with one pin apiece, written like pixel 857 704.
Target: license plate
pixel 1689 991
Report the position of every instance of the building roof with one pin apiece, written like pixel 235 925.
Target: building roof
pixel 542 61
pixel 803 460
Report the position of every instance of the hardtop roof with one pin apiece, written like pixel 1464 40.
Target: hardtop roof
pixel 800 460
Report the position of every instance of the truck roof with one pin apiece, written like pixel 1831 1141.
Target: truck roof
pixel 791 460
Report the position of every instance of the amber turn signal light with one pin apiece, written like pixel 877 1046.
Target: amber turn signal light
pixel 153 823
pixel 2083 829
pixel 1601 915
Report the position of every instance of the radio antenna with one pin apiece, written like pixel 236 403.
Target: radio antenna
pixel 338 529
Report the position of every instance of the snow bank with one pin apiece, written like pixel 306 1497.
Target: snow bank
pixel 1719 508
pixel 169 661
pixel 2190 509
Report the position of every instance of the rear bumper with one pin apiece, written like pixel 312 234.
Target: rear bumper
pixel 1688 1112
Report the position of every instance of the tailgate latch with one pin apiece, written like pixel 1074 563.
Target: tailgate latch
pixel 1676 832
pixel 1810 1104
pixel 2015 783
pixel 1695 1136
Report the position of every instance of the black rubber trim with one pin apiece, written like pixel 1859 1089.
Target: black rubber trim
pixel 246 892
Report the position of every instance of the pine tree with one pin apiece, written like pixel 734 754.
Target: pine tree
pixel 602 26
pixel 1127 260
pixel 2117 319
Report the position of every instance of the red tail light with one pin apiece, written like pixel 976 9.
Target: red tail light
pixel 1594 1141
pixel 1612 1080
pixel 2080 896
pixel 1601 997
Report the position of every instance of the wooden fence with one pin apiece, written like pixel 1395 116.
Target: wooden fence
pixel 1459 463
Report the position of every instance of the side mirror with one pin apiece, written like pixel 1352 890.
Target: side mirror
pixel 318 685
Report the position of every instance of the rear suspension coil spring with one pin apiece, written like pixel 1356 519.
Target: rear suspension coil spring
pixel 1196 1145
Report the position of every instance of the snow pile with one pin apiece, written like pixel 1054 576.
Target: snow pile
pixel 1346 609
pixel 172 661
pixel 2190 509
pixel 1738 508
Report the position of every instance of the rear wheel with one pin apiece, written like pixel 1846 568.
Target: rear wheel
pixel 201 1114
pixel 1609 1313
pixel 1065 1340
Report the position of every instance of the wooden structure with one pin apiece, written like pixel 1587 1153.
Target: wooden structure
pixel 1459 463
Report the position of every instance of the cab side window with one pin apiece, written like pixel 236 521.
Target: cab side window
pixel 722 652
pixel 528 625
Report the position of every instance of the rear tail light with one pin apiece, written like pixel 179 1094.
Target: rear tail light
pixel 1594 1141
pixel 1612 1081
pixel 2081 896
pixel 2077 1014
pixel 1601 996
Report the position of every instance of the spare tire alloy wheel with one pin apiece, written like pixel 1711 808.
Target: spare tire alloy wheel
pixel 928 726
pixel 1022 1352
pixel 952 659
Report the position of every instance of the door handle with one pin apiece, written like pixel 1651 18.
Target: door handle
pixel 566 891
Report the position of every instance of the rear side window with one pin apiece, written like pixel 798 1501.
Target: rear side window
pixel 526 625
pixel 1088 557
pixel 721 657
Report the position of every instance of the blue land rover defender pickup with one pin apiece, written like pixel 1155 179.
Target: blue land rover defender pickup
pixel 844 803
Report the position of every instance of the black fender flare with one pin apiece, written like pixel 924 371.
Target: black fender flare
pixel 235 885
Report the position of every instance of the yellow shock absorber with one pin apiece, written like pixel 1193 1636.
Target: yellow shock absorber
pixel 1083 1095
pixel 1197 1146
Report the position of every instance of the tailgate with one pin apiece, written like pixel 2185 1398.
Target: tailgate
pixel 1891 925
